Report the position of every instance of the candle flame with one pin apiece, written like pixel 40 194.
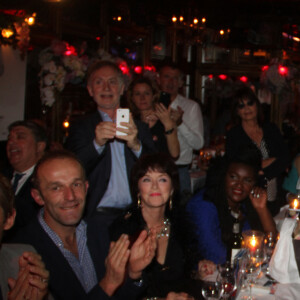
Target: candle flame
pixel 253 241
pixel 296 204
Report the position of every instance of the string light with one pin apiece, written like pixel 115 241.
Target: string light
pixel 221 32
pixel 7 33
pixel 66 124
pixel 174 19
pixel 181 18
pixel 203 20
pixel 195 21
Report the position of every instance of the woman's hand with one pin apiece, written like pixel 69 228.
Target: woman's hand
pixel 206 267
pixel 164 115
pixel 258 197
pixel 141 254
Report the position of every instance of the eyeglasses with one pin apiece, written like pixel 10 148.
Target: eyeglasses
pixel 241 105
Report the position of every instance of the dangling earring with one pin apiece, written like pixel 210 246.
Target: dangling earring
pixel 139 202
pixel 170 203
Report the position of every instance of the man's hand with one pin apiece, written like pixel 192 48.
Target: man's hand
pixel 142 253
pixel 176 115
pixel 32 280
pixel 131 137
pixel 258 197
pixel 115 263
pixel 104 131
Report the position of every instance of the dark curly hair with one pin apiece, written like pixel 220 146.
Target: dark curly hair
pixel 160 162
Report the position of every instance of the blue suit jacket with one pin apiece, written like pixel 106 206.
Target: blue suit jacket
pixel 63 283
pixel 98 167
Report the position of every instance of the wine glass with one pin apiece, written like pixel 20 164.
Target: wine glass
pixel 253 268
pixel 212 289
pixel 226 275
pixel 269 246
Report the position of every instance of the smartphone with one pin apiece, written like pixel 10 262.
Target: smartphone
pixel 165 99
pixel 122 116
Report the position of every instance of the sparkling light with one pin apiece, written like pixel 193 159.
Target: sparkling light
pixel 138 70
pixel 283 70
pixel 244 79
pixel 7 33
pixel 223 76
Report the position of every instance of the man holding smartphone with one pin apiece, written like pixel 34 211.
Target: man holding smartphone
pixel 188 117
pixel 107 156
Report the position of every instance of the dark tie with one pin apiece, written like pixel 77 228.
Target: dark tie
pixel 17 178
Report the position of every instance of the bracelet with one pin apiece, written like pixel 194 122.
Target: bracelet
pixel 169 131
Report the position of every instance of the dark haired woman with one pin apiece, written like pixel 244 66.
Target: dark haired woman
pixel 230 196
pixel 142 97
pixel 154 184
pixel 250 130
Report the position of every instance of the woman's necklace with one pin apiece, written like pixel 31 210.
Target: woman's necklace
pixel 164 230
pixel 234 214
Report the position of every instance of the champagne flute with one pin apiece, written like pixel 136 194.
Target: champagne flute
pixel 253 268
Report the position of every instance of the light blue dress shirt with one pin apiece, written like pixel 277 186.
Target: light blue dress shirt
pixel 82 266
pixel 118 192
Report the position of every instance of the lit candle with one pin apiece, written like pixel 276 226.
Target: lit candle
pixel 253 243
pixel 295 204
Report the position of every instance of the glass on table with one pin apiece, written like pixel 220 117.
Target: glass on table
pixel 212 289
pixel 253 269
pixel 226 276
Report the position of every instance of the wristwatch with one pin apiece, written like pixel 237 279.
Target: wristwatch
pixel 169 131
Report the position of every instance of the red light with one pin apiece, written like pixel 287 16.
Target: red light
pixel 283 70
pixel 210 76
pixel 70 50
pixel 223 76
pixel 150 68
pixel 98 38
pixel 124 69
pixel 138 69
pixel 243 79
pixel 265 68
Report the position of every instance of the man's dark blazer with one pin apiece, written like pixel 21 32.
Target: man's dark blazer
pixel 98 167
pixel 26 208
pixel 63 283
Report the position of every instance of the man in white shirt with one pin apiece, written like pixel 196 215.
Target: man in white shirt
pixel 26 143
pixel 188 117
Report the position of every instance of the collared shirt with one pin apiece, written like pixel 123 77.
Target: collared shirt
pixel 117 193
pixel 190 131
pixel 82 266
pixel 27 174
